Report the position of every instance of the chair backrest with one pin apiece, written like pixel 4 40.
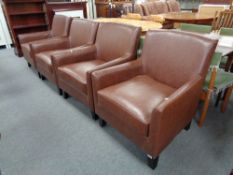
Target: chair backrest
pixel 82 32
pixel 115 40
pixel 60 25
pixel 173 6
pixel 138 9
pixel 226 31
pixel 161 7
pixel 225 19
pixel 210 10
pixel 174 57
pixel 195 28
pixel 149 8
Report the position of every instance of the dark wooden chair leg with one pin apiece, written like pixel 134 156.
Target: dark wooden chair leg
pixel 218 99
pixel 152 162
pixel 187 127
pixel 94 116
pixel 43 77
pixel 39 75
pixel 65 95
pixel 29 65
pixel 102 123
pixel 60 91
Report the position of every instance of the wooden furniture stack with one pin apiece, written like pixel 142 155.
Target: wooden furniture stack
pixel 25 16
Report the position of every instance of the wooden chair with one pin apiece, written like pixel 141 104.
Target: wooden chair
pixel 223 19
pixel 227 64
pixel 217 79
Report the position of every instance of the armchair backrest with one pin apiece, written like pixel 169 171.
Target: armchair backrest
pixel 116 40
pixel 173 57
pixel 173 6
pixel 82 32
pixel 60 25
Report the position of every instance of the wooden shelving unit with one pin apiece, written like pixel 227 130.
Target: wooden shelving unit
pixel 25 16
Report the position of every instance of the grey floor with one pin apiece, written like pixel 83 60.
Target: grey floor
pixel 43 134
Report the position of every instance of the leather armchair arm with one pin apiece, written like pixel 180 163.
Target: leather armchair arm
pixel 25 38
pixel 174 113
pixel 113 75
pixel 120 60
pixel 116 74
pixel 78 54
pixel 50 44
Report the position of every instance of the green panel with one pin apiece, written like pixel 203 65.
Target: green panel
pixel 195 28
pixel 226 31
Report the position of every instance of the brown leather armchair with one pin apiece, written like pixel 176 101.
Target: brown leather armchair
pixel 152 99
pixel 60 28
pixel 82 33
pixel 115 44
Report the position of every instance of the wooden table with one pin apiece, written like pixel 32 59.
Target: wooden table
pixel 188 17
pixel 145 25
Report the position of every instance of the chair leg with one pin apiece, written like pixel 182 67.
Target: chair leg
pixel 152 162
pixel 226 99
pixel 102 123
pixel 187 127
pixel 205 109
pixel 39 75
pixel 218 99
pixel 29 65
pixel 43 77
pixel 94 115
pixel 65 95
pixel 60 92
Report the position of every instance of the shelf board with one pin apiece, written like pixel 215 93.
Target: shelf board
pixel 29 26
pixel 24 1
pixel 26 13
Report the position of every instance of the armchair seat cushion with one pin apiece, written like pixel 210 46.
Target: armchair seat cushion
pixel 76 74
pixel 134 101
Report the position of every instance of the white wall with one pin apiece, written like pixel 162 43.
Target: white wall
pixel 5 38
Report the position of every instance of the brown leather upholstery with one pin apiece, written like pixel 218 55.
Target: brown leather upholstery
pixel 115 44
pixel 173 5
pixel 149 8
pixel 152 99
pixel 82 32
pixel 60 28
pixel 160 7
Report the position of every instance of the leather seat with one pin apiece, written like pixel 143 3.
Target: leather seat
pixel 152 99
pixel 82 32
pixel 60 28
pixel 76 74
pixel 115 44
pixel 138 107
